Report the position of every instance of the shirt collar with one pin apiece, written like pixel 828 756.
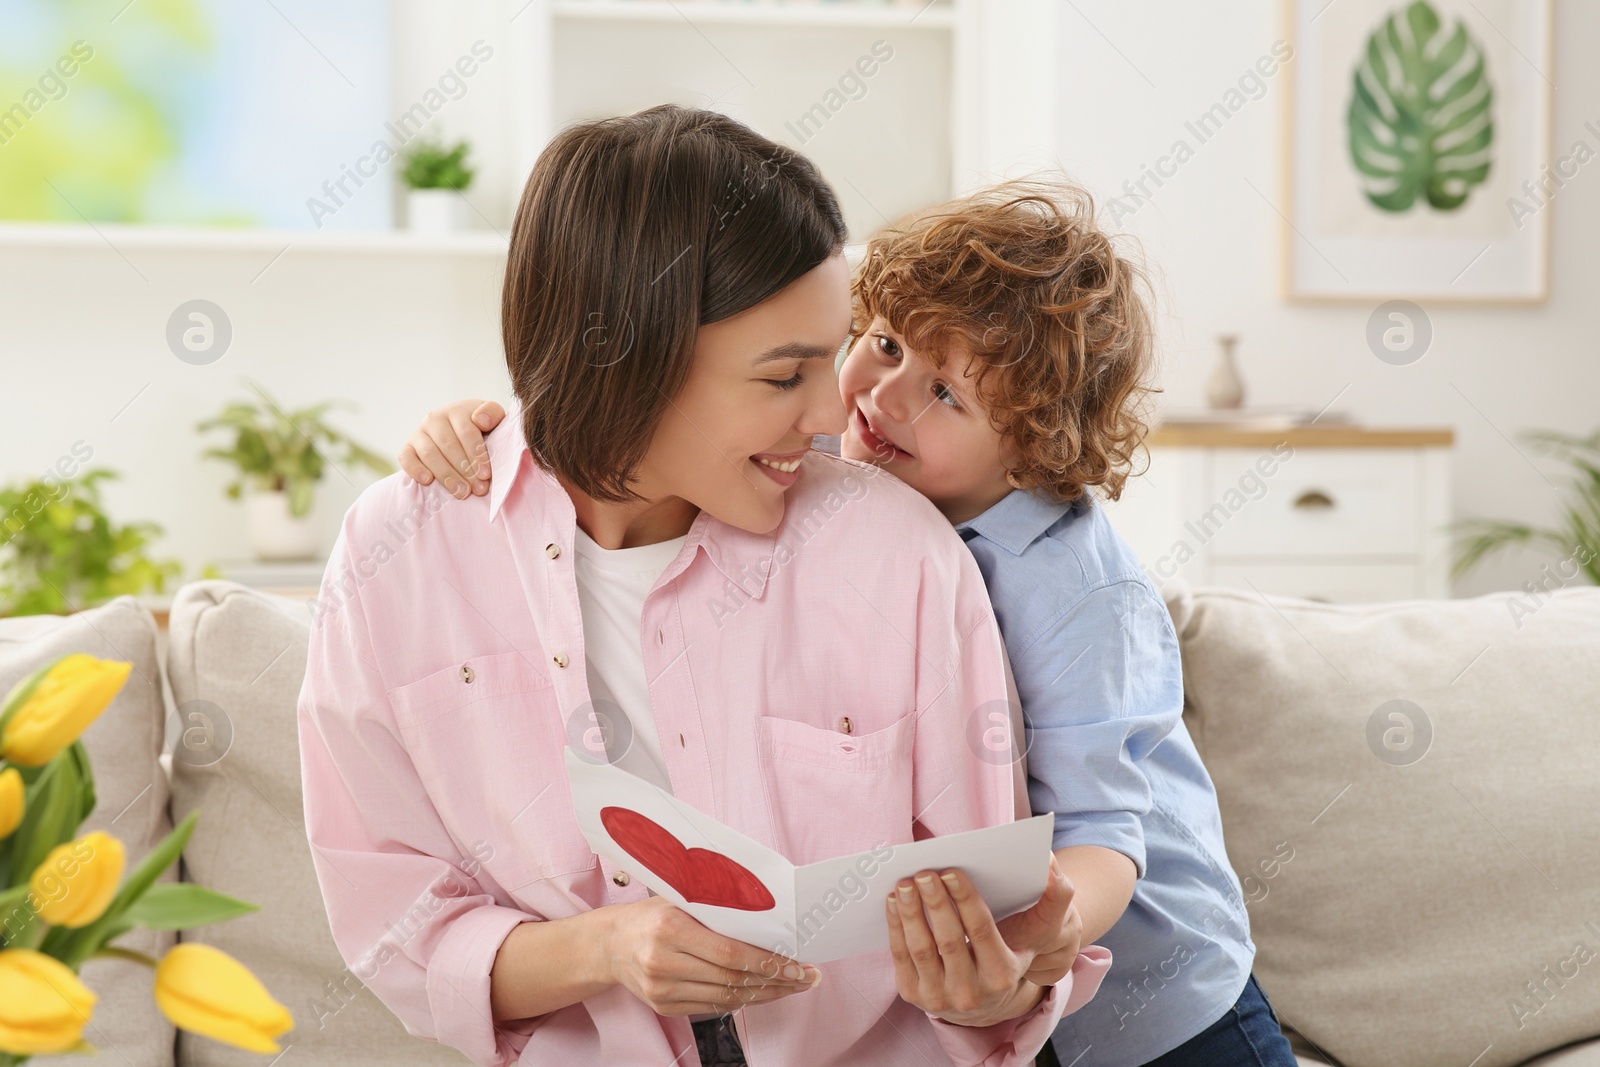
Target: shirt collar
pixel 744 558
pixel 1016 521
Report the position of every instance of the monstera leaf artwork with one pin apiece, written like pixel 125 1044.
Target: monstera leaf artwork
pixel 1420 117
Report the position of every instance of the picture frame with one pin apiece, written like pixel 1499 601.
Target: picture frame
pixel 1373 211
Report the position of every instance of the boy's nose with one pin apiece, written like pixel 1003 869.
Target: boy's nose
pixel 889 398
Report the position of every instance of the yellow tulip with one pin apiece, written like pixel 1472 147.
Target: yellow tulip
pixel 206 991
pixel 10 800
pixel 78 879
pixel 43 1006
pixel 48 710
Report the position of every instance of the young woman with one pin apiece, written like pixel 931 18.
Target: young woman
pixel 782 640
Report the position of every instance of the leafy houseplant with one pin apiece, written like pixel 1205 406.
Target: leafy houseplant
pixel 1577 538
pixel 281 456
pixel 60 551
pixel 63 897
pixel 436 176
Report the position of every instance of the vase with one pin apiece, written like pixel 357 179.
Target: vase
pixel 277 535
pixel 433 211
pixel 1225 389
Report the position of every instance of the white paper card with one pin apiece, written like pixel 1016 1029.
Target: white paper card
pixel 819 912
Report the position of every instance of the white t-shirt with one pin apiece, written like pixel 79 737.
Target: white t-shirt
pixel 612 586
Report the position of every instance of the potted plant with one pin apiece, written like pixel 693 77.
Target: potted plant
pixel 436 177
pixel 60 551
pixel 281 456
pixel 1578 536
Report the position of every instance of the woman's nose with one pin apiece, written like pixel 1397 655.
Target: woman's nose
pixel 824 413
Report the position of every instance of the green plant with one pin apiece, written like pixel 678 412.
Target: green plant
pixel 284 451
pixel 432 166
pixel 60 551
pixel 1420 125
pixel 1578 536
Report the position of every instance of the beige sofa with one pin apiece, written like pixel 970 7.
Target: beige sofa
pixel 1401 905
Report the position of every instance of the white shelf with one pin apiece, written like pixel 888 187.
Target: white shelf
pixel 173 238
pixel 824 13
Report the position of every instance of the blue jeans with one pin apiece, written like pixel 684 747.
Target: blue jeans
pixel 1247 1035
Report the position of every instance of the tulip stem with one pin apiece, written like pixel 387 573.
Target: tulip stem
pixel 115 953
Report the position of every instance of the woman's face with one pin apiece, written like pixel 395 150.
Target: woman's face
pixel 762 384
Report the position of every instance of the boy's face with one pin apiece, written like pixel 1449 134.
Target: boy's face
pixel 922 423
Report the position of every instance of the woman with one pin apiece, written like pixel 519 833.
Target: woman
pixel 781 640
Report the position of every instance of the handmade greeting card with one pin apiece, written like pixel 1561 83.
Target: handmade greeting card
pixel 815 913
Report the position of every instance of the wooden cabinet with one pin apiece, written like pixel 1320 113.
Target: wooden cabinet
pixel 1328 513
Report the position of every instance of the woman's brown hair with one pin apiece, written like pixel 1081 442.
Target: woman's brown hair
pixel 632 233
pixel 1057 320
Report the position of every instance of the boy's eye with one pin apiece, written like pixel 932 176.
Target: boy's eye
pixel 942 393
pixel 788 383
pixel 888 347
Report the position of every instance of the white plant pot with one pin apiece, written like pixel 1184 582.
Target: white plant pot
pixel 277 535
pixel 433 211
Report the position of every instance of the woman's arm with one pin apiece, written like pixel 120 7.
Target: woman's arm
pixel 407 913
pixel 419 929
pixel 663 955
pixel 961 675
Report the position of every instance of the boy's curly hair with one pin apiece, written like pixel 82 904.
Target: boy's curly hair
pixel 1059 324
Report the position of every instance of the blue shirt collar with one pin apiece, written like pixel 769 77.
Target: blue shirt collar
pixel 1016 521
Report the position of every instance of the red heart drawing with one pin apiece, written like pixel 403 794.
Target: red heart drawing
pixel 700 875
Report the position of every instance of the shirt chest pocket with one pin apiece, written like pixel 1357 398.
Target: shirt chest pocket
pixel 836 794
pixel 486 737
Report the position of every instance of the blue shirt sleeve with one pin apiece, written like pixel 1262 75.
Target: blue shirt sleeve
pixel 1101 685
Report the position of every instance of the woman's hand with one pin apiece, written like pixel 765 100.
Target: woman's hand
pixel 678 967
pixel 952 960
pixel 1051 931
pixel 449 446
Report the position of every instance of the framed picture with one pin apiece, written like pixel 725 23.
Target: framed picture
pixel 1418 151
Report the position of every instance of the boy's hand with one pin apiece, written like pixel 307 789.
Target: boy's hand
pixel 952 960
pixel 1051 931
pixel 449 446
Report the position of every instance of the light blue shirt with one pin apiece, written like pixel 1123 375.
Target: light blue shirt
pixel 1101 685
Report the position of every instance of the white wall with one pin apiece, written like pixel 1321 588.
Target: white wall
pixel 81 333
pixel 1130 81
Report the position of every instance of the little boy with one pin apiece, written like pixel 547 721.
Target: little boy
pixel 1002 351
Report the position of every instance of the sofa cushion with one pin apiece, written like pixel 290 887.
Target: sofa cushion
pixel 237 657
pixel 124 746
pixel 1409 793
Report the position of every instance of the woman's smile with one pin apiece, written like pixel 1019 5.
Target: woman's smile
pixel 781 467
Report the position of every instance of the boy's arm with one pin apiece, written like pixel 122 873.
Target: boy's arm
pixel 1102 687
pixel 448 445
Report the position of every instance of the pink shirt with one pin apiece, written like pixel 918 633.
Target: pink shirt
pixel 447 663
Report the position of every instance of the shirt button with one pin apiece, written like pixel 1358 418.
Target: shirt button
pixel 621 878
pixel 552 550
pixel 560 659
pixel 844 725
pixel 466 674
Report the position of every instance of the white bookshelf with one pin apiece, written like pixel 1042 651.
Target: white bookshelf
pixel 970 90
pixel 831 13
pixel 103 235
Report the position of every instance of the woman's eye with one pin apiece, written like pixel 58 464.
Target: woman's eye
pixel 788 383
pixel 887 346
pixel 942 393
